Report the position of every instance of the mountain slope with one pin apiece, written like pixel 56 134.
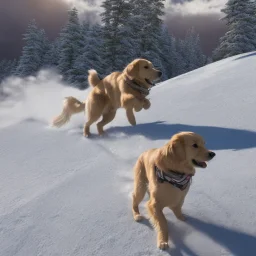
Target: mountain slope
pixel 62 194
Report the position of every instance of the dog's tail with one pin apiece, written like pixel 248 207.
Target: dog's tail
pixel 71 106
pixel 93 78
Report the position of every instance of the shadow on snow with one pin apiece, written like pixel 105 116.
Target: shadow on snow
pixel 217 138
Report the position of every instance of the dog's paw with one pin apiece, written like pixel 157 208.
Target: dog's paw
pixel 163 245
pixel 133 122
pixel 138 108
pixel 87 135
pixel 146 104
pixel 138 217
pixel 104 135
pixel 101 133
pixel 86 132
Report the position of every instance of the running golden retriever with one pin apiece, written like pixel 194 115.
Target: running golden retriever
pixel 166 173
pixel 127 89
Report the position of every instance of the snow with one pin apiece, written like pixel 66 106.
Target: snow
pixel 62 194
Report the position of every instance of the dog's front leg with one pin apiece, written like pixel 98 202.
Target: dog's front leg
pixel 159 221
pixel 130 116
pixel 129 102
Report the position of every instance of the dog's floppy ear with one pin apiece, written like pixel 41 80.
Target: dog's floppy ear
pixel 176 149
pixel 172 155
pixel 132 69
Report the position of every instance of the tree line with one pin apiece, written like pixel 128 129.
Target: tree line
pixel 127 31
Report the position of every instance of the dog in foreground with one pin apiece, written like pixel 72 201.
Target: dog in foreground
pixel 127 89
pixel 166 174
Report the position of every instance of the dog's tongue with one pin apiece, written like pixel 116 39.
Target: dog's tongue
pixel 203 164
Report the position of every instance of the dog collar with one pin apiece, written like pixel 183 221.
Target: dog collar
pixel 137 87
pixel 178 180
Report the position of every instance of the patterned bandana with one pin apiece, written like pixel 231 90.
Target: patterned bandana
pixel 136 87
pixel 178 180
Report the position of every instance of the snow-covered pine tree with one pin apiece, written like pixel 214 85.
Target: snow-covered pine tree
pixel 76 77
pixel 71 39
pixel 241 36
pixel 192 51
pixel 114 18
pixel 33 51
pixel 168 54
pixel 147 28
pixel 134 27
pixel 12 67
pixel 85 30
pixel 91 58
pixel 51 57
pixel 209 60
pixel 154 52
pixel 128 49
pixel 7 68
pixel 3 72
pixel 181 63
pixel 130 40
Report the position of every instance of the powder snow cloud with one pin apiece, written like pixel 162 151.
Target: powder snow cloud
pixel 36 97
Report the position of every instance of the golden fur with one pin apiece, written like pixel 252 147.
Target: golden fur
pixel 176 155
pixel 111 93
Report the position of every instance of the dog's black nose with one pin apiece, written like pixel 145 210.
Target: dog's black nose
pixel 212 155
pixel 160 73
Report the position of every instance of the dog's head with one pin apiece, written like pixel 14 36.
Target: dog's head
pixel 143 71
pixel 185 151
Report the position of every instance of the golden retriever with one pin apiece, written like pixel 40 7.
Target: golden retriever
pixel 166 173
pixel 127 89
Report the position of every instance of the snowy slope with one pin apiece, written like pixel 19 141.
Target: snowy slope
pixel 62 194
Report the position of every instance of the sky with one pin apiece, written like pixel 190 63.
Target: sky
pixel 51 15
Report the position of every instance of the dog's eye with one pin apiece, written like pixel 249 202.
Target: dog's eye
pixel 146 67
pixel 195 145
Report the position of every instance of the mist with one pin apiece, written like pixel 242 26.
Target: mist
pixel 37 98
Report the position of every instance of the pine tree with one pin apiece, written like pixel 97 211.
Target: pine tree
pixel 181 62
pixel 51 57
pixel 3 73
pixel 148 28
pixel 77 76
pixel 132 31
pixel 241 36
pixel 85 30
pixel 33 51
pixel 71 39
pixel 192 51
pixel 209 60
pixel 7 68
pixel 12 67
pixel 91 58
pixel 114 17
pixel 129 38
pixel 168 54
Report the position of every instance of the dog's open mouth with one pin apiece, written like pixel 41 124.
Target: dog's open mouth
pixel 149 82
pixel 199 164
pixel 152 83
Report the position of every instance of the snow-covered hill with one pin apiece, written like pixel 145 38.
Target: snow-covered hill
pixel 62 194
